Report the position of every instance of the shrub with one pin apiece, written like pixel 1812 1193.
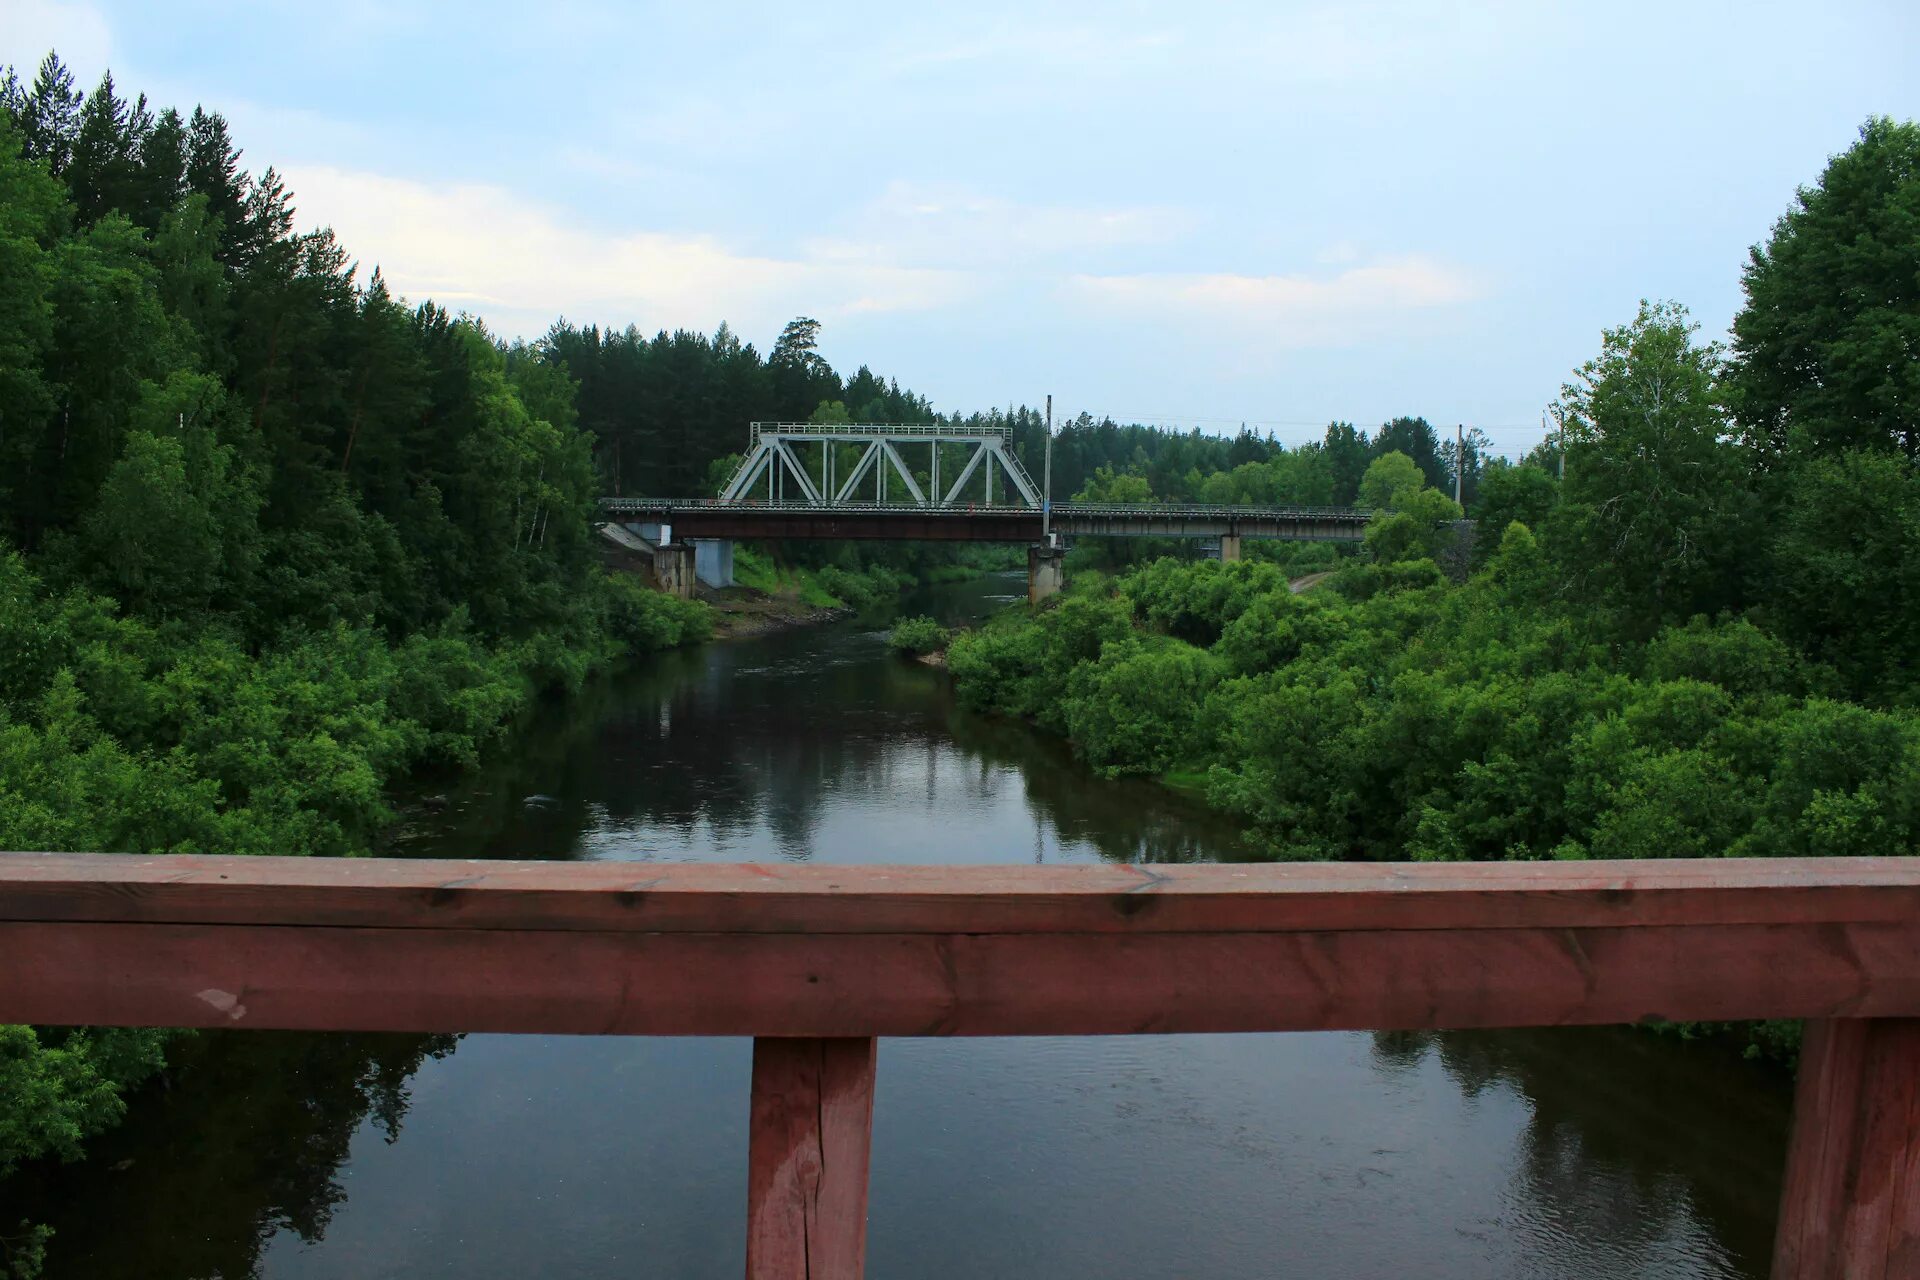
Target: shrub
pixel 918 636
pixel 1137 709
pixel 644 620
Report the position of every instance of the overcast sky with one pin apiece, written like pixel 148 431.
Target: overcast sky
pixel 1195 213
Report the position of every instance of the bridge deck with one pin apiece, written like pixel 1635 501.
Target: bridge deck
pixel 712 518
pixel 816 961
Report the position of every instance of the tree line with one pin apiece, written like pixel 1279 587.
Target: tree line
pixel 1699 642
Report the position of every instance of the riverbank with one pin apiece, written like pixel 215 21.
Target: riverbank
pixel 772 595
pixel 741 613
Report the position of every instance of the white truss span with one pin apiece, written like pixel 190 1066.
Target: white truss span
pixel 802 462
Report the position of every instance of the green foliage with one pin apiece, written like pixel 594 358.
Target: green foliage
pixel 667 413
pixel 918 636
pixel 828 586
pixel 1418 525
pixel 1137 708
pixel 862 588
pixel 1526 493
pixel 1845 586
pixel 24 1254
pixel 1274 628
pixel 1410 521
pixel 1731 653
pixel 1389 481
pixel 282 538
pixel 1197 601
pixel 1021 666
pixel 645 620
pixel 1401 716
pixel 62 1087
pixel 1824 348
pixel 1106 485
pixel 1656 516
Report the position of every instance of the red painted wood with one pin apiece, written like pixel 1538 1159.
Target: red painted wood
pixel 1850 1202
pixel 437 894
pixel 583 982
pixel 810 1141
pixel 837 955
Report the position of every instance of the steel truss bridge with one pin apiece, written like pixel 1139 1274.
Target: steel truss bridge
pixel 924 481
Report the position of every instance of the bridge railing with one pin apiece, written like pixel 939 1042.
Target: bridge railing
pixel 1150 511
pixel 865 429
pixel 814 962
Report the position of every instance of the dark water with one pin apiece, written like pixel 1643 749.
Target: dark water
pixel 1570 1153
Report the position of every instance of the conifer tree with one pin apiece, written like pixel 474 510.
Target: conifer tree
pixel 100 163
pixel 51 118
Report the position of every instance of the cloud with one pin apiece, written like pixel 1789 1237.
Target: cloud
pixel 951 225
pixel 1336 309
pixel 520 264
pixel 28 28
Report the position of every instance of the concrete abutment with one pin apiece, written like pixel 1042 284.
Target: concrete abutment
pixel 673 569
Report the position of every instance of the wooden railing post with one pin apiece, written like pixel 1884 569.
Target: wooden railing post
pixel 809 1141
pixel 1850 1205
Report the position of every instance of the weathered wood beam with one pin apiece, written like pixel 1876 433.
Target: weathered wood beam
pixel 758 898
pixel 677 983
pixel 810 1141
pixel 1850 1204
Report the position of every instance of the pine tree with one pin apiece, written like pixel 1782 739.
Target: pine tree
pixel 51 119
pixel 161 181
pixel 99 163
pixel 213 170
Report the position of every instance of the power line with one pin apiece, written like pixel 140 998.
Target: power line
pixel 1130 418
pixel 1504 438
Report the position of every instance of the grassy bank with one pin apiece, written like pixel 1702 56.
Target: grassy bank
pixel 861 577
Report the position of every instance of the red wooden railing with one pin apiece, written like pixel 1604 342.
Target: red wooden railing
pixel 815 962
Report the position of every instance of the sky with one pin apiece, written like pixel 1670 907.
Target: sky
pixel 1199 214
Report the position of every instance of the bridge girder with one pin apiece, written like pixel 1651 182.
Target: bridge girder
pixel 713 518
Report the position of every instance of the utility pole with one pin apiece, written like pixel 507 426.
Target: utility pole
pixel 1046 482
pixel 1560 450
pixel 1459 465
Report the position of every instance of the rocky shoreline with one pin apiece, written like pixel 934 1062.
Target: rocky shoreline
pixel 740 613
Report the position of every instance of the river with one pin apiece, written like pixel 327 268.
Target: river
pixel 1565 1153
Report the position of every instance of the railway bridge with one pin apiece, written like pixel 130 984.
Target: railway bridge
pixel 885 482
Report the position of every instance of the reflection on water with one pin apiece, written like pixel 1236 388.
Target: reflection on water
pixel 1569 1153
pixel 246 1141
pixel 809 745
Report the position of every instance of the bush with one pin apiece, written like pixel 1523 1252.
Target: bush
pixel 918 636
pixel 861 588
pixel 645 620
pixel 1137 709
pixel 1195 601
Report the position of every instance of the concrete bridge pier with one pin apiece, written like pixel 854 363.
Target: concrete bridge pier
pixel 1229 547
pixel 673 569
pixel 713 561
pixel 1046 572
